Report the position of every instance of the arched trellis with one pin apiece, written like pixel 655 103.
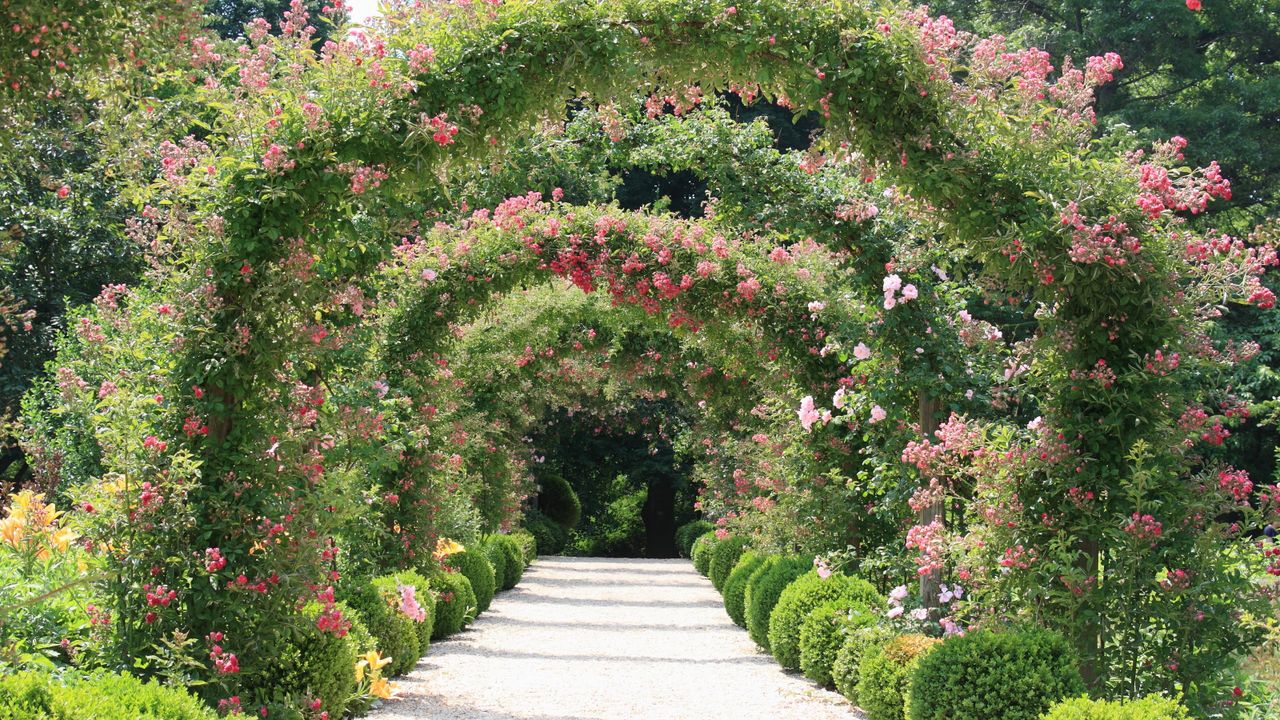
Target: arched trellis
pixel 290 218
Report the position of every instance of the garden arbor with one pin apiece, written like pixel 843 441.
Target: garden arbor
pixel 295 246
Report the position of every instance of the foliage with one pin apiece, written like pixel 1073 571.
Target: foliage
pixel 558 501
pixel 513 552
pixel 1152 707
pixel 724 556
pixel 528 545
pixel 848 664
pixel 700 552
pixel 550 536
pixel 802 596
pixel 885 672
pixel 32 696
pixel 1016 674
pixel 455 603
pixel 823 633
pixel 764 588
pixel 424 619
pixel 382 608
pixel 499 559
pixel 479 572
pixel 735 587
pixel 688 533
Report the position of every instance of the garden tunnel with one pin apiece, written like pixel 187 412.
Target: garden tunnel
pixel 333 278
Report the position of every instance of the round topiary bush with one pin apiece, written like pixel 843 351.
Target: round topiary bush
pixel 688 533
pixel 763 590
pixel 497 558
pixel 316 665
pixel 513 555
pixel 884 675
pixel 119 696
pixel 724 555
pixel 735 588
pixel 1012 674
pixel 550 538
pixel 378 604
pixel 823 632
pixel 426 599
pixel 1152 707
pixel 701 552
pixel 528 544
pixel 558 501
pixel 476 566
pixel 802 596
pixel 844 673
pixel 455 603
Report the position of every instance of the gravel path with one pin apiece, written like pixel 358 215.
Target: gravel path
pixel 606 639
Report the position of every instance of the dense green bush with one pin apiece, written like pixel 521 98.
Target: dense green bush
pixel 476 566
pixel 25 696
pixel 315 665
pixel 427 601
pixel 498 559
pixel 688 533
pixel 763 590
pixel 377 604
pixel 123 697
pixel 528 544
pixel 514 557
pixel 558 501
pixel 884 675
pixel 551 539
pixel 844 673
pixel 724 555
pixel 455 603
pixel 1013 675
pixel 735 588
pixel 823 633
pixel 1152 707
pixel 701 552
pixel 802 596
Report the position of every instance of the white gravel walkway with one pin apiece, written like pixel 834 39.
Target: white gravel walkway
pixel 607 639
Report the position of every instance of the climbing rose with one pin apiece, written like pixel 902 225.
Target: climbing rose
pixel 808 415
pixel 1193 5
pixel 878 414
pixel 862 352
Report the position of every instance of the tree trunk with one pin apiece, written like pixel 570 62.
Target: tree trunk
pixel 929 582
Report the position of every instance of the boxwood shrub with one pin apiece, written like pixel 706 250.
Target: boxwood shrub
pixel 1152 707
pixel 884 675
pixel 763 590
pixel 844 673
pixel 701 552
pixel 528 544
pixel 1010 674
pixel 823 632
pixel 108 696
pixel 498 559
pixel 724 555
pixel 803 595
pixel 513 554
pixel 455 603
pixel 377 604
pixel 316 665
pixel 735 588
pixel 427 599
pixel 476 566
pixel 551 539
pixel 689 532
pixel 558 501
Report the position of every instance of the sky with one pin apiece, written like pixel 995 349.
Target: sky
pixel 362 10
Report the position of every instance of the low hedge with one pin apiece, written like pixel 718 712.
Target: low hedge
pixel 513 554
pixel 427 600
pixel 763 590
pixel 823 633
pixel 498 559
pixel 377 603
pixel 724 555
pixel 528 544
pixel 802 596
pixel 884 675
pixel 36 696
pixel 844 672
pixel 701 552
pixel 476 566
pixel 1011 674
pixel 735 588
pixel 455 603
pixel 689 532
pixel 551 539
pixel 1152 707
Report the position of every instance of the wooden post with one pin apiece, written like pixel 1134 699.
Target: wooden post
pixel 929 582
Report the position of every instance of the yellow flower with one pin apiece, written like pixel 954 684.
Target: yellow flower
pixel 113 483
pixel 446 547
pixel 373 661
pixel 12 530
pixel 63 538
pixel 381 688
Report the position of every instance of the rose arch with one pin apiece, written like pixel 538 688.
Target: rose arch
pixel 317 249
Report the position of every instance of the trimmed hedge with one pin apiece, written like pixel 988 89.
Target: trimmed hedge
pixel 844 673
pixel 688 533
pixel 822 634
pixel 513 553
pixel 735 588
pixel 558 501
pixel 884 675
pixel 724 555
pixel 528 544
pixel 701 552
pixel 427 599
pixel 763 590
pixel 455 603
pixel 36 696
pixel 800 598
pixel 1012 674
pixel 1152 707
pixel 476 566
pixel 377 603
pixel 551 539
pixel 498 559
